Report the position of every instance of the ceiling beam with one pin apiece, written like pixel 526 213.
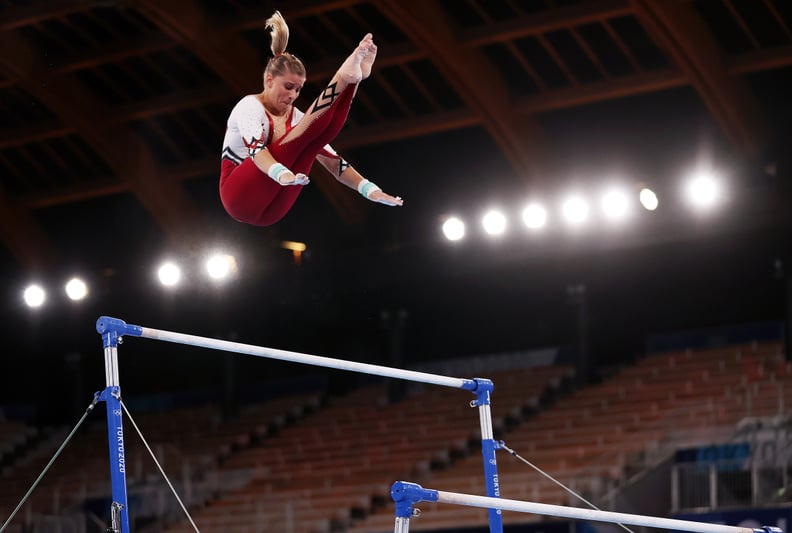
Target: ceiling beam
pixel 681 33
pixel 23 236
pixel 602 91
pixel 255 17
pixel 406 128
pixel 38 11
pixel 233 59
pixel 559 18
pixel 123 151
pixel 154 107
pixel 189 24
pixel 114 52
pixel 205 166
pixel 475 80
pixel 650 81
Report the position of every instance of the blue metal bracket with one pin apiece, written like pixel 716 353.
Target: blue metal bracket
pixel 483 391
pixel 113 329
pixel 406 494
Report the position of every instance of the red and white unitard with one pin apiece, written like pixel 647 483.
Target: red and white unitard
pixel 250 195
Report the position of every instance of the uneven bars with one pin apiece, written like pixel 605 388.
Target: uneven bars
pixel 405 494
pixel 115 327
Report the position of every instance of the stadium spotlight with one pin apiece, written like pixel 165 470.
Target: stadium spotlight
pixel 494 222
pixel 575 210
pixel 169 274
pixel 534 216
pixel 648 199
pixel 453 229
pixel 703 190
pixel 76 289
pixel 615 205
pixel 34 296
pixel 220 266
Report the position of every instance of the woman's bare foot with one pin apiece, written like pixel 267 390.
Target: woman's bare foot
pixel 369 55
pixel 357 66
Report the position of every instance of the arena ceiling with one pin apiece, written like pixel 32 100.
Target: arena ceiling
pixel 129 98
pixel 112 119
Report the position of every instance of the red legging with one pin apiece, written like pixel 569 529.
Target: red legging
pixel 251 196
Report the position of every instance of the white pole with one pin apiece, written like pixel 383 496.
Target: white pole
pixel 316 360
pixel 402 525
pixel 585 514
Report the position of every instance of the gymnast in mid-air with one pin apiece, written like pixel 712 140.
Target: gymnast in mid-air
pixel 270 145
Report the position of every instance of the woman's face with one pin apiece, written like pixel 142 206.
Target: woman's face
pixel 283 90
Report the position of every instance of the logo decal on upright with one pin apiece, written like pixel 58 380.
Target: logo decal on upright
pixel 120 442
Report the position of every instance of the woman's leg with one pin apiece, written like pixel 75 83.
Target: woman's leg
pixel 248 194
pixel 299 155
pixel 327 114
pixel 353 70
pixel 281 203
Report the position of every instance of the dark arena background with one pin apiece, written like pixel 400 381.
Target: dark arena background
pixel 596 217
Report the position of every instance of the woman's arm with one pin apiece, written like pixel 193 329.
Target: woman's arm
pixel 275 170
pixel 350 177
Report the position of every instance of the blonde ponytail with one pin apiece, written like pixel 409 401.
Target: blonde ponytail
pixel 282 61
pixel 279 32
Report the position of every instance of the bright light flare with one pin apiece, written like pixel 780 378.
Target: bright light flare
pixel 220 266
pixel 76 289
pixel 534 216
pixel 615 205
pixel 34 296
pixel 453 229
pixel 169 274
pixel 575 210
pixel 648 199
pixel 494 222
pixel 703 190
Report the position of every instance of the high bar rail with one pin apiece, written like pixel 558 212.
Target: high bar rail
pixel 405 494
pixel 109 326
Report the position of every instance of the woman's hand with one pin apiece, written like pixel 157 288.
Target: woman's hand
pixel 385 198
pixel 290 178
